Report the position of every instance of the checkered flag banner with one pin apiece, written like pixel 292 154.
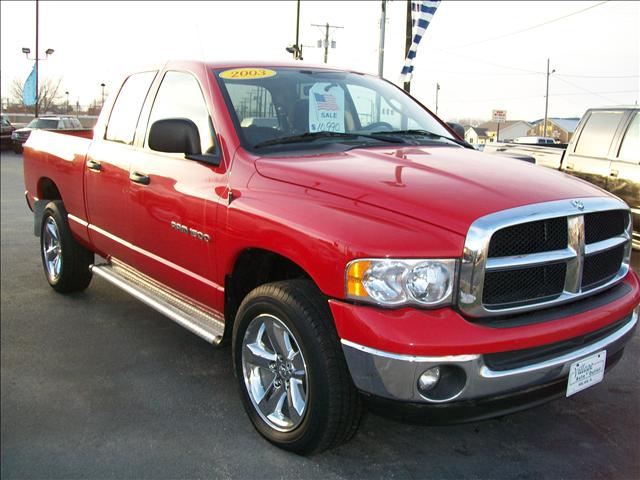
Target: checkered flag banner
pixel 422 12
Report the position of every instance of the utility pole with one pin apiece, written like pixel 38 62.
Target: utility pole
pixel 546 100
pixel 102 85
pixel 326 27
pixel 437 90
pixel 296 49
pixel 37 51
pixel 383 21
pixel 408 40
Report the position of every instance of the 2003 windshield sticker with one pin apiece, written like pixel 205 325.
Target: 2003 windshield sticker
pixel 326 108
pixel 247 73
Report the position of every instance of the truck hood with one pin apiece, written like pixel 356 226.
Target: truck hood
pixel 446 186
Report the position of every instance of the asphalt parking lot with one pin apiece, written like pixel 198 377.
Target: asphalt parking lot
pixel 97 385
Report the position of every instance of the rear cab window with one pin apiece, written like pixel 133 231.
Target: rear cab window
pixel 128 105
pixel 598 133
pixel 630 147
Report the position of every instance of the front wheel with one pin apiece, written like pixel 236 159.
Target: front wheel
pixel 292 375
pixel 66 263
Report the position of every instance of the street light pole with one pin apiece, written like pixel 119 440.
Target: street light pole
pixel 37 51
pixel 383 21
pixel 546 100
pixel 67 94
pixel 102 85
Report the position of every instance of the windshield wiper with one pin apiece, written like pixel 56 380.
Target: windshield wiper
pixel 311 136
pixel 423 133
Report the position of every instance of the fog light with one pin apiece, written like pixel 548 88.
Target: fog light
pixel 429 379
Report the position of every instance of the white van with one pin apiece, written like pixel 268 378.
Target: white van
pixel 535 140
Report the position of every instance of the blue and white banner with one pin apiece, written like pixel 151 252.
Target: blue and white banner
pixel 422 12
pixel 29 89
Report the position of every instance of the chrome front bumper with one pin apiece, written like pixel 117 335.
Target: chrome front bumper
pixel 395 377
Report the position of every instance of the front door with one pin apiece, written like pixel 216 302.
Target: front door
pixel 174 202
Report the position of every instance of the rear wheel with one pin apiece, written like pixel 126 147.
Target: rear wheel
pixel 17 148
pixel 291 371
pixel 65 262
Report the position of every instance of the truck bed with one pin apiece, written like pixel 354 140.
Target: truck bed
pixel 549 156
pixel 58 156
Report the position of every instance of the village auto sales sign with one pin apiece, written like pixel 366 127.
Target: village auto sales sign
pixel 499 116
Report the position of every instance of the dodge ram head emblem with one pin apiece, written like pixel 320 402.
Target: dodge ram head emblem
pixel 578 204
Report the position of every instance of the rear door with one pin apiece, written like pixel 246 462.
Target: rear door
pixel 174 206
pixel 589 158
pixel 624 176
pixel 107 189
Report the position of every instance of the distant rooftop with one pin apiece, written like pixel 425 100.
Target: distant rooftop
pixel 567 124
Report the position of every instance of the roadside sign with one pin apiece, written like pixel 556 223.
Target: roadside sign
pixel 499 116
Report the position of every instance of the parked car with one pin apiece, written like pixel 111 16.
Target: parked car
pixel 345 255
pixel 44 122
pixel 7 130
pixel 535 140
pixel 605 150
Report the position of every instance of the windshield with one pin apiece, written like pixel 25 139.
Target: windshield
pixel 43 123
pixel 285 108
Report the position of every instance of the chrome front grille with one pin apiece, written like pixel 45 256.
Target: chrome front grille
pixel 540 255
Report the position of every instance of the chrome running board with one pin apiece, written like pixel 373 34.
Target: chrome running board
pixel 192 316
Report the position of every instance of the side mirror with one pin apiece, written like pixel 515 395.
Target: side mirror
pixel 175 135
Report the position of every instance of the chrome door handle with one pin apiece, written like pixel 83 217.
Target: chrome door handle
pixel 140 178
pixel 613 173
pixel 94 166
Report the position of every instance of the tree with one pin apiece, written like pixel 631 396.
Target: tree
pixel 47 93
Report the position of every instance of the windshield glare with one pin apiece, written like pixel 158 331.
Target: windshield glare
pixel 42 123
pixel 284 102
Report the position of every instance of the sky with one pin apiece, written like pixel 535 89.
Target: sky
pixel 484 55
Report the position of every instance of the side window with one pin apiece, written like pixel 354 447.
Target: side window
pixel 597 135
pixel 371 109
pixel 180 96
pixel 126 110
pixel 67 123
pixel 75 123
pixel 630 148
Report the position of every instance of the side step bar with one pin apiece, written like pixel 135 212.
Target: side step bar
pixel 194 317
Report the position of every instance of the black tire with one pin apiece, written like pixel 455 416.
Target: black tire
pixel 72 273
pixel 17 148
pixel 333 405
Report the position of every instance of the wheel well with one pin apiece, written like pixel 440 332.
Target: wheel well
pixel 255 267
pixel 47 190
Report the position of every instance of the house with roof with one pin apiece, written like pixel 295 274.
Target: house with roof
pixel 508 130
pixel 559 128
pixel 476 135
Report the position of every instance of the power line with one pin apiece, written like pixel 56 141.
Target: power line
pixel 526 97
pixel 587 90
pixel 528 28
pixel 596 76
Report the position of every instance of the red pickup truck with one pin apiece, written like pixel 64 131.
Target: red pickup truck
pixel 345 242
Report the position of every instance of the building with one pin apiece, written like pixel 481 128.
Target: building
pixel 559 128
pixel 508 130
pixel 476 135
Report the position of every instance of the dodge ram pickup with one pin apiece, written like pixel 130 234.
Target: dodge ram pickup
pixel 348 246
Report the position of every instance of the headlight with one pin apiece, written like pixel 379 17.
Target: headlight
pixel 399 282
